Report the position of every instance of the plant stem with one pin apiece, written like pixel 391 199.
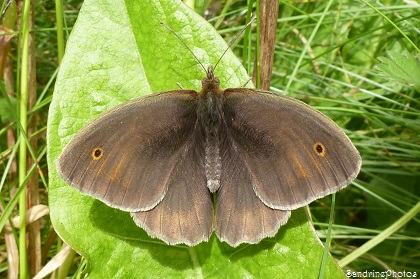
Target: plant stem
pixel 24 46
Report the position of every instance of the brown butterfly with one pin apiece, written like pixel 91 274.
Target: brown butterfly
pixel 185 163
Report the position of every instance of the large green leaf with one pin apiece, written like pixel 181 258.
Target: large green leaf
pixel 118 51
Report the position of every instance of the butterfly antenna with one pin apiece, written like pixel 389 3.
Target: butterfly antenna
pixel 234 40
pixel 173 32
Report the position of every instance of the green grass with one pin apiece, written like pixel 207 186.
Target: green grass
pixel 357 63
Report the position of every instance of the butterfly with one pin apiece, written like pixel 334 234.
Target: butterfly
pixel 186 163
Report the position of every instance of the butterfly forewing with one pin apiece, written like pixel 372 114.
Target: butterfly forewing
pixel 293 153
pixel 126 157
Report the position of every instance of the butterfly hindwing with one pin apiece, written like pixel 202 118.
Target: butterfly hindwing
pixel 185 215
pixel 240 215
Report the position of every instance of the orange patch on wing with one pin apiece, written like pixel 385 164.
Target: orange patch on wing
pixel 299 169
pixel 118 171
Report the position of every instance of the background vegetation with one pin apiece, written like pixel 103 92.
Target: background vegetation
pixel 360 67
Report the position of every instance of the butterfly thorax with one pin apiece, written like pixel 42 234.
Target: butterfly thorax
pixel 210 117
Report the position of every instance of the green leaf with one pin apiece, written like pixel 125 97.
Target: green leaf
pixel 401 66
pixel 8 109
pixel 118 50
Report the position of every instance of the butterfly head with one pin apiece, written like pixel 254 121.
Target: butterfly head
pixel 210 83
